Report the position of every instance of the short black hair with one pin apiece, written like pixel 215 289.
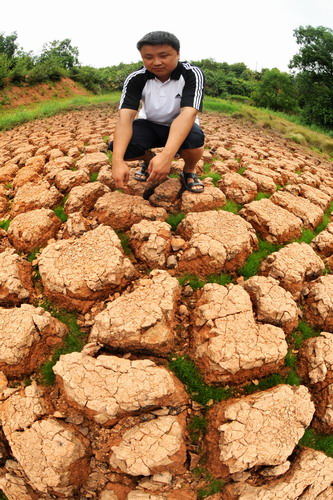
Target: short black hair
pixel 159 38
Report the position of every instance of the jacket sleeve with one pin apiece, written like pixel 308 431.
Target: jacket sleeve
pixel 194 88
pixel 132 91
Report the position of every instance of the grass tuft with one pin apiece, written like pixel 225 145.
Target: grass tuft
pixel 175 219
pixel 304 331
pixel 320 442
pixel 214 486
pixel 124 240
pixel 196 428
pixel 254 260
pixel 4 224
pixel 261 195
pixel 32 255
pixel 73 342
pixel 231 206
pixel 220 279
pixel 59 210
pixel 93 176
pixel 190 279
pixel 187 372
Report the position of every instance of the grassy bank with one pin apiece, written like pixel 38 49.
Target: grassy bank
pixel 289 126
pixel 16 116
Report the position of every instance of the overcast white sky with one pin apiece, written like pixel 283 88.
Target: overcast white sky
pixel 256 32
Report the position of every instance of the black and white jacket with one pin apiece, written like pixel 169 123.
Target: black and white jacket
pixel 162 101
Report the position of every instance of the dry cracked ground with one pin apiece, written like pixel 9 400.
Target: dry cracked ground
pixel 171 395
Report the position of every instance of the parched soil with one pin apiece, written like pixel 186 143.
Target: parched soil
pixel 140 270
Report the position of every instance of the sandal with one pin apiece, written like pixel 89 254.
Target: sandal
pixel 142 174
pixel 185 176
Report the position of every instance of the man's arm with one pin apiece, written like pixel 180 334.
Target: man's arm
pixel 160 165
pixel 122 137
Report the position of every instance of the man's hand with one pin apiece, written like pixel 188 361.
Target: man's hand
pixel 159 167
pixel 120 173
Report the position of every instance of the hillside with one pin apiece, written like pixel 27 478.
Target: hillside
pixel 159 344
pixel 13 96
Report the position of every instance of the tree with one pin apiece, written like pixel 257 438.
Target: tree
pixel 8 45
pixel 315 78
pixel 276 91
pixel 62 51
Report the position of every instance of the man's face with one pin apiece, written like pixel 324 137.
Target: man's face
pixel 161 60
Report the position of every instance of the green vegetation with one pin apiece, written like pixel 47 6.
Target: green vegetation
pixel 231 206
pixel 196 427
pixel 188 373
pixel 308 235
pixel 254 260
pixel 73 342
pixel 320 442
pixel 220 279
pixel 304 331
pixel 261 195
pixel 59 210
pixel 32 255
pixel 12 118
pixel 175 219
pixel 208 173
pixel 4 224
pixel 93 176
pixel 193 281
pixel 124 240
pixel 214 486
pixel 3 496
pixel 241 170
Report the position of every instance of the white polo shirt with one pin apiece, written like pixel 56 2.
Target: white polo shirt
pixel 162 101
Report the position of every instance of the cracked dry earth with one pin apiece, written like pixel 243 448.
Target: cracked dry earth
pixel 116 425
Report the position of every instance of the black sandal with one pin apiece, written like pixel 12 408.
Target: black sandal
pixel 142 174
pixel 184 176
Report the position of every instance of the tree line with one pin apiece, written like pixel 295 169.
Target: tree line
pixel 306 91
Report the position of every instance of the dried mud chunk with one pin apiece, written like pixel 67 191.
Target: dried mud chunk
pixel 323 243
pixel 293 266
pixel 22 409
pixel 15 278
pixel 273 304
pixel 273 223
pixel 151 447
pixel 212 197
pixel 256 430
pixel 150 241
pixel 263 182
pixel 77 272
pixel 218 241
pixel 310 214
pixel 83 198
pixel 67 179
pixel 142 319
pixel 109 387
pixel 27 335
pixel 15 488
pixel 121 211
pixel 166 195
pixel 93 162
pixel 52 456
pixel 8 172
pixel 237 188
pixel 319 303
pixel 316 367
pixel 32 196
pixel 309 478
pixel 33 229
pixel 228 345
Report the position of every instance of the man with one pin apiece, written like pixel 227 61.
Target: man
pixel 171 93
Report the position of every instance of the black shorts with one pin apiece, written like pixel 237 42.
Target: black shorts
pixel 147 135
